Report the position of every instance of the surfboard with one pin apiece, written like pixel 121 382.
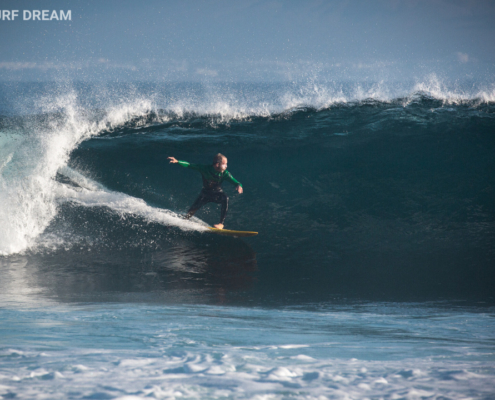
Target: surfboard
pixel 228 232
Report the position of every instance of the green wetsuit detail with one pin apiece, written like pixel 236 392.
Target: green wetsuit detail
pixel 212 179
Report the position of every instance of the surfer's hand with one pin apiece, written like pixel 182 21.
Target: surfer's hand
pixel 172 160
pixel 239 189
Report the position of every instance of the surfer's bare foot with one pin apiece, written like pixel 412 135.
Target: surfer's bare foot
pixel 218 226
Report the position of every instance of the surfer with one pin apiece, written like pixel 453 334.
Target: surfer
pixel 213 177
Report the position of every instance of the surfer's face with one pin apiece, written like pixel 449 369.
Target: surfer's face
pixel 221 166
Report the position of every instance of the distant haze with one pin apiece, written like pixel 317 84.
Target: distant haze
pixel 249 40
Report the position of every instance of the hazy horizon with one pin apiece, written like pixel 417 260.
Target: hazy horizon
pixel 249 41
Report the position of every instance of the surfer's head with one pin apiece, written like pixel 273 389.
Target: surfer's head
pixel 220 162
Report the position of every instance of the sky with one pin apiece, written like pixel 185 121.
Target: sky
pixel 230 40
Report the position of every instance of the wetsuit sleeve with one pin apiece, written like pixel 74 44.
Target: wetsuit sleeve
pixel 186 164
pixel 231 179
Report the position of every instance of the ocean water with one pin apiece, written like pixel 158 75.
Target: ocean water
pixel 372 275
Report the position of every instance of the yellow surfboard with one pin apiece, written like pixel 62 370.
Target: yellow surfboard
pixel 227 232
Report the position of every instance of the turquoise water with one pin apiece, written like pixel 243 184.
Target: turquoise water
pixel 124 350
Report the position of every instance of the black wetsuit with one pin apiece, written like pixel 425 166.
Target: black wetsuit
pixel 212 190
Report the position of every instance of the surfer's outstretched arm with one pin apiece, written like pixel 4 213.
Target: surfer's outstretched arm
pixel 186 164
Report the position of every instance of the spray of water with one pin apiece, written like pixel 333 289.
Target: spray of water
pixel 31 157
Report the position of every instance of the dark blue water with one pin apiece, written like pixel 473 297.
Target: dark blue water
pixel 372 274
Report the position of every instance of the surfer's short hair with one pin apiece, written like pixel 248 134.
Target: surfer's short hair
pixel 218 158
